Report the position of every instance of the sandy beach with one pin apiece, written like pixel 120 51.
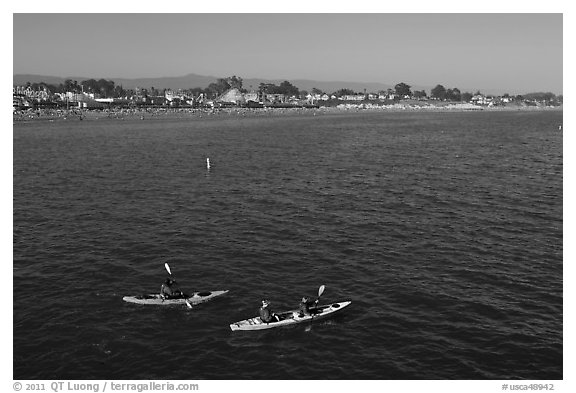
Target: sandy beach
pixel 218 113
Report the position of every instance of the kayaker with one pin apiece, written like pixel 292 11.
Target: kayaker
pixel 266 313
pixel 170 290
pixel 305 305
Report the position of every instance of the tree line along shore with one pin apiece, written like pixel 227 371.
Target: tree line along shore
pixel 230 92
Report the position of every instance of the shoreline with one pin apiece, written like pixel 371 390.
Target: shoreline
pixel 219 113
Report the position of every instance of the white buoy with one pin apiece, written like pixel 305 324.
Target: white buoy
pixel 560 128
pixel 207 163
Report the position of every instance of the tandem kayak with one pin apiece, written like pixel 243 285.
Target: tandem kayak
pixel 155 299
pixel 291 317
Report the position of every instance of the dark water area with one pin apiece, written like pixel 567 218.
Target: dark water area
pixel 443 229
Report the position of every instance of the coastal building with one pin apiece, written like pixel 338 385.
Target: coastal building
pixel 352 97
pixel 82 100
pixel 41 94
pixel 252 96
pixel 480 99
pixel 20 102
pixel 232 96
pixel 170 96
pixel 275 98
pixel 386 96
pixel 312 98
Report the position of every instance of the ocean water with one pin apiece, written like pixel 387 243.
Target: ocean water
pixel 443 229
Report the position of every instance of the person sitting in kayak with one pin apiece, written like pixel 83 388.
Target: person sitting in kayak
pixel 305 305
pixel 170 290
pixel 266 313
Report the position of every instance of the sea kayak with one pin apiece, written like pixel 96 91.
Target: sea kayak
pixel 155 299
pixel 291 317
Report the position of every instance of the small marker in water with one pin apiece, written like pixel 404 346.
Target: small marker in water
pixel 207 163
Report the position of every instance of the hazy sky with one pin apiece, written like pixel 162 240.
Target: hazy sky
pixel 514 53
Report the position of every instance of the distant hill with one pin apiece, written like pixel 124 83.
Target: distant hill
pixel 22 79
pixel 193 80
pixel 181 82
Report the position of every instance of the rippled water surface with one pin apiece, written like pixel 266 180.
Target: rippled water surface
pixel 443 229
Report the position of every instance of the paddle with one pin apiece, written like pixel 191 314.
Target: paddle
pixel 170 273
pixel 320 292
